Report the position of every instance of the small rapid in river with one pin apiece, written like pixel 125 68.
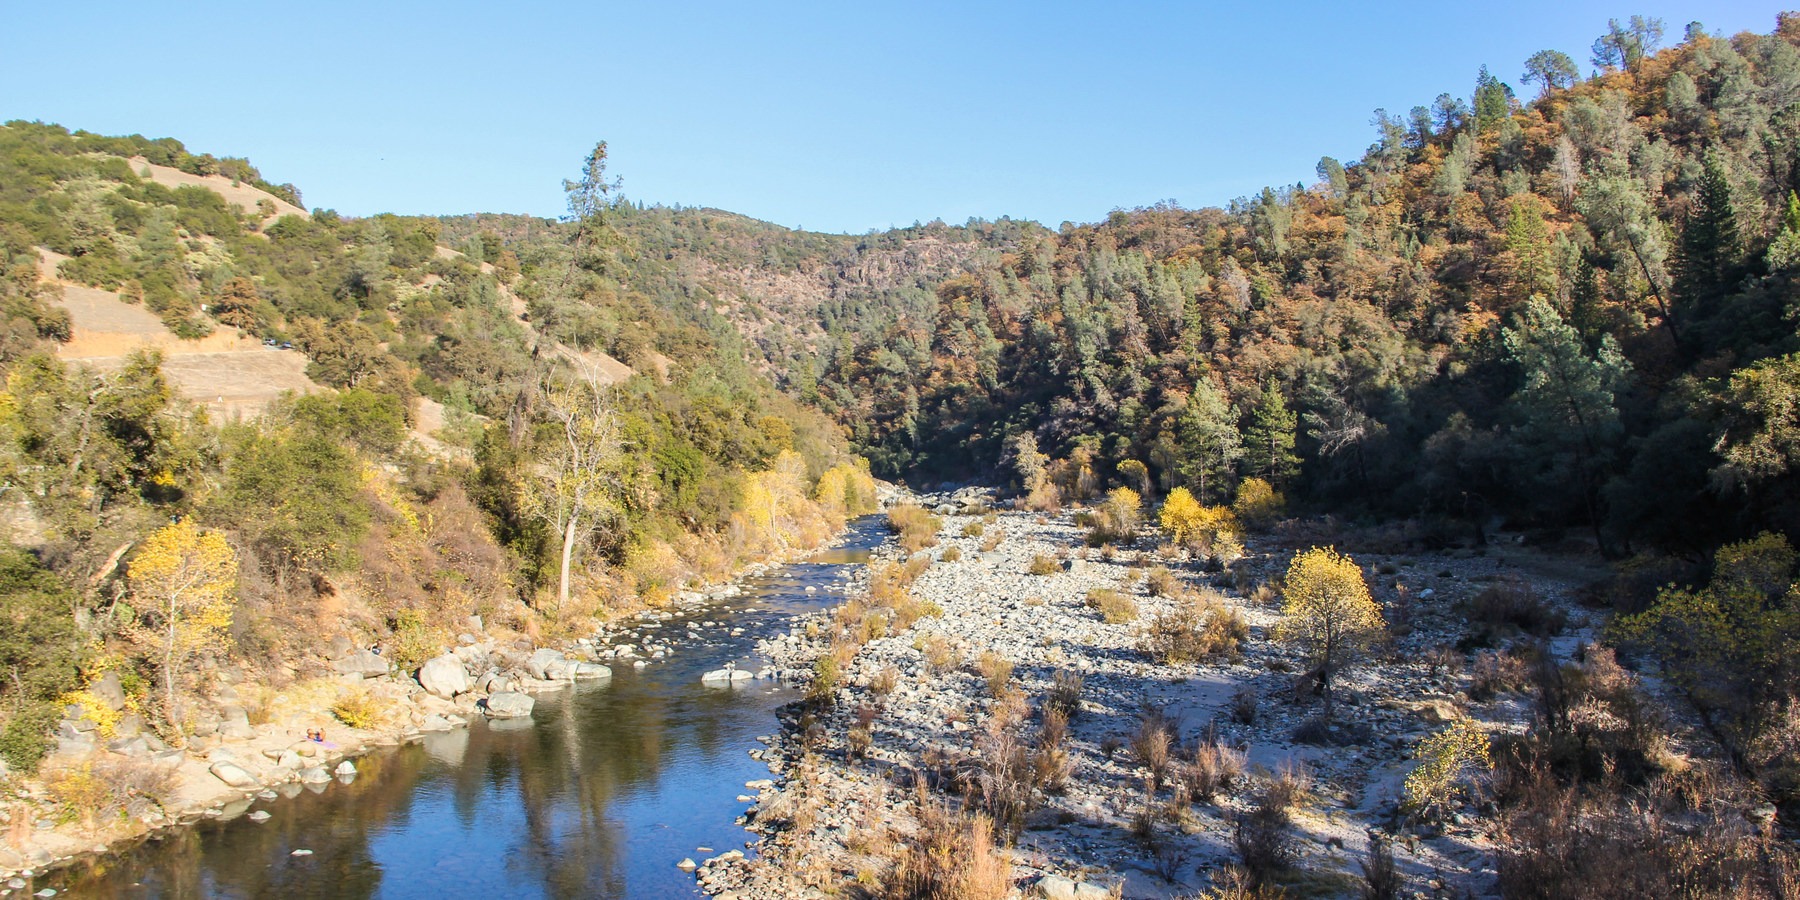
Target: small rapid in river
pixel 599 794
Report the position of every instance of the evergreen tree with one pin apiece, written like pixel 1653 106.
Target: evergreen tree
pixel 1269 441
pixel 1493 101
pixel 1707 267
pixel 1210 442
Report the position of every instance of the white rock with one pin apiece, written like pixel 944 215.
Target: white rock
pixel 345 768
pixel 444 676
pixel 508 705
pixel 233 774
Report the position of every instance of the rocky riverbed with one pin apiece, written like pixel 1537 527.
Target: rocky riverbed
pixel 911 705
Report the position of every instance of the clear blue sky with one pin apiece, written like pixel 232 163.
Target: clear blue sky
pixel 837 116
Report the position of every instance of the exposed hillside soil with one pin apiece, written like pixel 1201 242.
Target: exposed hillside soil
pixel 238 194
pixel 230 374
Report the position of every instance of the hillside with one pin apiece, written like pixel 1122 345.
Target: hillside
pixel 1555 313
pixel 1538 353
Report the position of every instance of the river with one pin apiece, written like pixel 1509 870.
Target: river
pixel 599 794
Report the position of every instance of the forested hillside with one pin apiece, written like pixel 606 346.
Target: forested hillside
pixel 473 450
pixel 1572 309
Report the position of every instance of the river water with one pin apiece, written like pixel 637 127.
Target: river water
pixel 600 794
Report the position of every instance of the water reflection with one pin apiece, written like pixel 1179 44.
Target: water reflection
pixel 598 795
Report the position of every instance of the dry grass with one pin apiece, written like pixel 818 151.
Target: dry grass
pixel 996 670
pixel 950 857
pixel 939 653
pixel 1043 565
pixel 1161 582
pixel 950 554
pixel 1115 608
pixel 1210 768
pixel 917 528
pixel 993 540
pixel 1064 695
pixel 1197 629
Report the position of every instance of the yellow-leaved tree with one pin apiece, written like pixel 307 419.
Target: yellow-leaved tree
pixel 1328 612
pixel 575 483
pixel 1180 515
pixel 184 580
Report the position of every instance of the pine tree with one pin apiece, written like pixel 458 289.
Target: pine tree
pixel 1708 266
pixel 1269 441
pixel 1209 439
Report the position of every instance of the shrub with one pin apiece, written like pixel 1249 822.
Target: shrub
pixel 1161 582
pixel 974 530
pixel 1265 847
pixel 1209 530
pixel 950 554
pixel 1445 757
pixel 1514 606
pixel 884 682
pixel 1044 565
pixel 950 858
pixel 1496 673
pixel 109 788
pixel 1152 742
pixel 1064 696
pixel 1115 608
pixel 1380 879
pixel 359 709
pixel 1210 768
pixel 1258 503
pixel 997 670
pixel 940 655
pixel 1117 517
pixel 1558 842
pixel 1195 630
pixel 1050 763
pixel 826 673
pixel 1243 706
pixel 989 543
pixel 917 528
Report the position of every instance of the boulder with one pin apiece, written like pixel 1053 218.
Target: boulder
pixel 108 691
pixel 366 663
pixel 591 670
pixel 443 676
pixel 508 705
pixel 726 676
pixel 134 747
pixel 548 665
pixel 233 774
pixel 345 768
pixel 314 775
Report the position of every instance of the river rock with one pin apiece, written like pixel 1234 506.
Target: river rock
pixel 509 705
pixel 443 676
pixel 232 774
pixel 548 665
pixel 260 816
pixel 346 768
pixel 591 670
pixel 726 676
pixel 366 663
pixel 314 775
